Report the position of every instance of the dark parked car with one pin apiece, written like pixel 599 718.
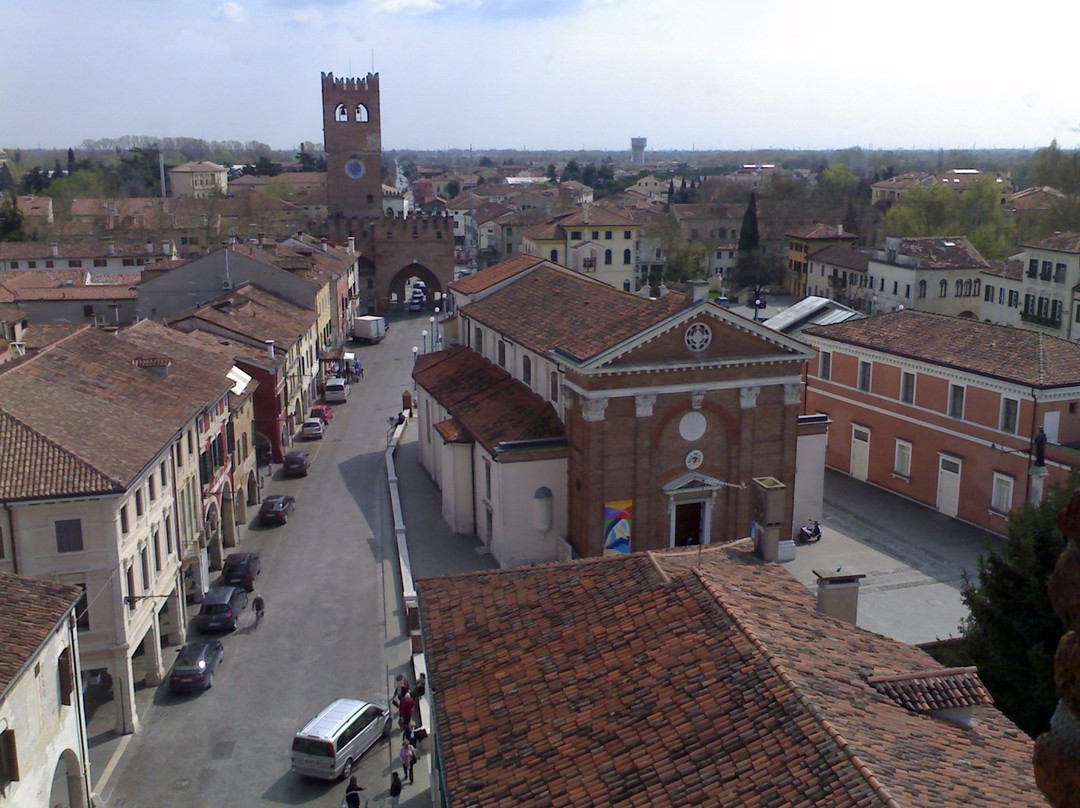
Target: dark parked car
pixel 240 569
pixel 221 608
pixel 275 509
pixel 296 464
pixel 195 665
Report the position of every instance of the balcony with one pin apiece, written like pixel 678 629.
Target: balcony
pixel 1041 319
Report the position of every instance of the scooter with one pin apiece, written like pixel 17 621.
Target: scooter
pixel 808 534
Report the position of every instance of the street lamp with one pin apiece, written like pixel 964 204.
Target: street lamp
pixel 423 335
pixel 415 353
pixel 435 319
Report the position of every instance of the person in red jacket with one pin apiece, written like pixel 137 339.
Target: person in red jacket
pixel 406 705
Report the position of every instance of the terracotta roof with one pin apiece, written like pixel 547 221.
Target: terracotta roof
pixel 680 678
pixel 451 431
pixel 35 205
pixel 929 692
pixel 32 611
pixel 842 255
pixel 1036 199
pixel 198 167
pixel 113 416
pixel 558 309
pixel 1059 242
pixel 254 313
pixel 89 249
pixel 593 215
pixel 487 402
pixel 40 335
pixel 1011 354
pixel 942 252
pixel 485 278
pixel 903 181
pixel 821 231
pixel 11 314
pixel 1012 268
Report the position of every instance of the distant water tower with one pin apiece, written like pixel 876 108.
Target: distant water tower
pixel 637 150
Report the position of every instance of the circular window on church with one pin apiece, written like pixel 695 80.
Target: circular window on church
pixel 698 336
pixel 692 426
pixel 354 168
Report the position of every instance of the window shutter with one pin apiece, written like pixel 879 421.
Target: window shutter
pixel 9 758
pixel 67 676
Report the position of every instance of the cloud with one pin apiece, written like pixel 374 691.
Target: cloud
pixel 488 10
pixel 233 12
pixel 195 42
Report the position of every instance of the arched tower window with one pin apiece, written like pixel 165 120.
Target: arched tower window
pixel 341 114
pixel 361 114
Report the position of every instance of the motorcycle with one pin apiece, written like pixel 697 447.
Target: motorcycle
pixel 808 534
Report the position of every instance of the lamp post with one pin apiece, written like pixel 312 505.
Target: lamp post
pixel 433 330
pixel 423 336
pixel 415 353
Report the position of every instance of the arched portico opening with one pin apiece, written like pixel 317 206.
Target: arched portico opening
pixel 410 278
pixel 212 522
pixel 68 789
pixel 228 517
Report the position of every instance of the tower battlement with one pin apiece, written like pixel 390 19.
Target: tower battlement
pixel 368 83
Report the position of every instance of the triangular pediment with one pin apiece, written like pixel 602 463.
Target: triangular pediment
pixel 704 334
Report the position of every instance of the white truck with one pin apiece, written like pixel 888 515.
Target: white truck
pixel 369 328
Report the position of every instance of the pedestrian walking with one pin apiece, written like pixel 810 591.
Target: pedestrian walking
pixel 358 369
pixel 352 793
pixel 395 790
pixel 407 756
pixel 401 688
pixel 406 707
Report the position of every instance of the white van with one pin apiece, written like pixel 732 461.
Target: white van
pixel 332 742
pixel 336 391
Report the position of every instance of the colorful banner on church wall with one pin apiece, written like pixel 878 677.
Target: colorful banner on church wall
pixel 618 518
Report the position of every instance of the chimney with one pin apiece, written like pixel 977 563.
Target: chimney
pixel 838 594
pixel 149 247
pixel 165 245
pixel 697 291
pixel 840 230
pixel 55 250
pixel 767 510
pixel 270 348
pixel 352 245
pixel 325 245
pixel 112 248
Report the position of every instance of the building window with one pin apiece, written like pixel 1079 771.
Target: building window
pixel 902 458
pixel 595 235
pixel 129 578
pixel 502 354
pixel 1001 497
pixel 922 288
pixel 943 288
pixel 82 610
pixel 74 263
pixel 976 285
pixel 825 365
pixel 139 507
pixel 487 479
pixel 9 759
pixel 1010 409
pixel 1014 299
pixel 555 256
pixel 575 235
pixel 907 387
pixel 1047 271
pixel 1059 273
pixel 526 370
pixel 478 340
pixel 626 257
pixel 959 288
pixel 88 310
pixel 988 293
pixel 69 537
pixel 144 557
pixel 100 262
pixel 864 376
pixel 153 486
pixel 956 401
pixel 1033 267
pixel 157 551
pixel 607 257
pixel 553 386
pixel 607 235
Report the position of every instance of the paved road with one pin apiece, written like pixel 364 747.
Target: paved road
pixel 328 580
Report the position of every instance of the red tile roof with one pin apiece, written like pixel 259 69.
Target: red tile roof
pixel 994 351
pixel 1059 242
pixel 485 401
pixel 821 231
pixel 685 678
pixel 32 610
pixel 485 278
pixel 842 255
pixel 942 252
pixel 558 309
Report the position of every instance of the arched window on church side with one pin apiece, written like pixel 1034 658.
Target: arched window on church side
pixel 361 114
pixel 341 114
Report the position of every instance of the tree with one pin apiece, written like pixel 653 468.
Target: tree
pixel 837 184
pixel 684 260
pixel 11 219
pixel 747 270
pixel 453 188
pixel 1011 632
pixel 551 173
pixel 7 181
pixel 851 219
pixel 940 211
pixel 572 172
pixel 263 167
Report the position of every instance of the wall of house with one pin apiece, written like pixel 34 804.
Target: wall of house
pixel 925 431
pixel 516 540
pixel 457 487
pixel 47 731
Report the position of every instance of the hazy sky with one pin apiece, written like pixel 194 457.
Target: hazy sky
pixel 562 74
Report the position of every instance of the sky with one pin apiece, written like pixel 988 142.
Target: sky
pixel 549 74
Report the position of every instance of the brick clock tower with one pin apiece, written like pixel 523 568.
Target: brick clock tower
pixel 352 137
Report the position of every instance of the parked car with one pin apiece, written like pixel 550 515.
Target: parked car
pixel 324 412
pixel 195 665
pixel 296 464
pixel 241 569
pixel 275 509
pixel 221 608
pixel 312 429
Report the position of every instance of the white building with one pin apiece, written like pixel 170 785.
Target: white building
pixel 200 179
pixel 939 274
pixel 43 749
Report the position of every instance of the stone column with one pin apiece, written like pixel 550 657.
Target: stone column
pixel 127 721
pixel 1057 752
pixel 155 669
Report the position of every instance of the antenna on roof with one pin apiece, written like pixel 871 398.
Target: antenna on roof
pixel 373 61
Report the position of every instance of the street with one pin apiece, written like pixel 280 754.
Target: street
pixel 332 625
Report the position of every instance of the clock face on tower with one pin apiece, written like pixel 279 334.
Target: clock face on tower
pixel 354 168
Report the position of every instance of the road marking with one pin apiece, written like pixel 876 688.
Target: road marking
pixel 99 786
